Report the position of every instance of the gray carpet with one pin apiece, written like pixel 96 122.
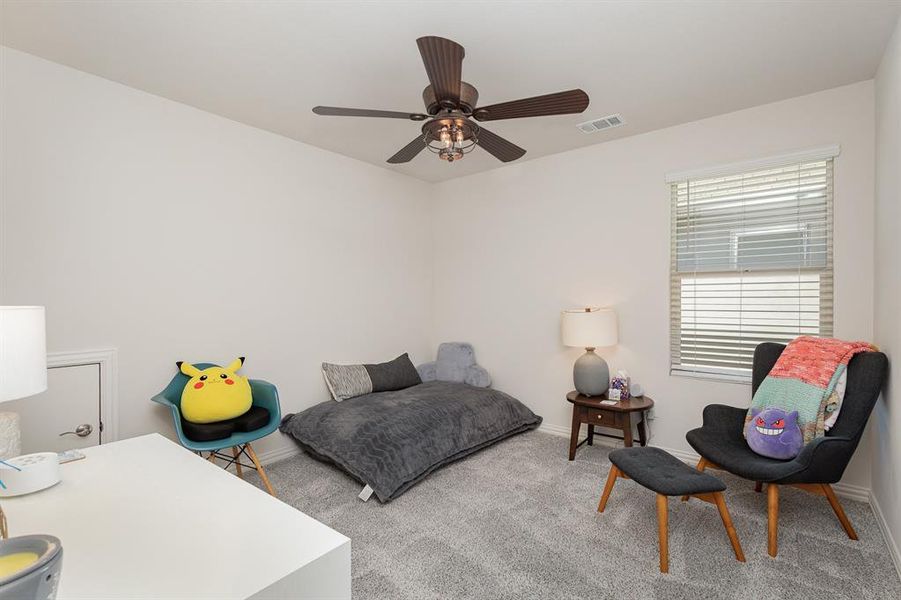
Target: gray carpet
pixel 518 520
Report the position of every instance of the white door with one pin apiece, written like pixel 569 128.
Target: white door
pixel 65 416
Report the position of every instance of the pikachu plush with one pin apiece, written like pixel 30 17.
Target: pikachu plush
pixel 215 393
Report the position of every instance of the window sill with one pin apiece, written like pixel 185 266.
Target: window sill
pixel 742 379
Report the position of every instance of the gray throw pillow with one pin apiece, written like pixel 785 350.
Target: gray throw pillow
pixel 457 363
pixel 349 381
pixel 397 374
pixel 346 381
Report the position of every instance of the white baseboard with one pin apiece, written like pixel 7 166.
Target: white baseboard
pixel 851 492
pixel 271 456
pixel 554 430
pixel 886 533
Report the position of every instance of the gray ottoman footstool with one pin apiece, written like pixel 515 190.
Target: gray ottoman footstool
pixel 665 474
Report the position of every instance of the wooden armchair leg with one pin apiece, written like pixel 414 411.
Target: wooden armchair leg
pixel 608 487
pixel 839 511
pixel 256 463
pixel 702 464
pixel 663 531
pixel 772 496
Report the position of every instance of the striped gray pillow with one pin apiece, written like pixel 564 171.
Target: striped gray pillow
pixel 348 381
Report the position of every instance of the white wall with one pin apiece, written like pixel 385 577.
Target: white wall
pixel 516 245
pixel 169 233
pixel 887 430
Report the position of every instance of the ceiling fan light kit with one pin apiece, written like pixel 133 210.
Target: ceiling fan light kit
pixel 450 137
pixel 449 129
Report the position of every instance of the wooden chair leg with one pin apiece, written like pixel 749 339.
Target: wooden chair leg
pixel 663 532
pixel 727 522
pixel 702 464
pixel 772 497
pixel 758 486
pixel 608 487
pixel 212 457
pixel 237 454
pixel 259 467
pixel 839 511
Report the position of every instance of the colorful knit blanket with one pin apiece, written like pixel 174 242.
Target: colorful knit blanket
pixel 803 380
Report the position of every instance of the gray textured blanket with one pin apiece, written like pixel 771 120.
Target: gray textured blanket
pixel 391 440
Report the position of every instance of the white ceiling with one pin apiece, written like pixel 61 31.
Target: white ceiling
pixel 268 63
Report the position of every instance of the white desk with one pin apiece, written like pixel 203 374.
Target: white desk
pixel 145 518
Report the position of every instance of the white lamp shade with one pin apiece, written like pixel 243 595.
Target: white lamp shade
pixel 23 352
pixel 589 328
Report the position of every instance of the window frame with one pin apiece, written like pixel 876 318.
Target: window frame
pixel 826 273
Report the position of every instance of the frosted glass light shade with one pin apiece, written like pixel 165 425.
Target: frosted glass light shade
pixel 23 352
pixel 589 328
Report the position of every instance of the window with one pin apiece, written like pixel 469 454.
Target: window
pixel 751 263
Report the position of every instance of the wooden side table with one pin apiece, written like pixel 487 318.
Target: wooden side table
pixel 622 415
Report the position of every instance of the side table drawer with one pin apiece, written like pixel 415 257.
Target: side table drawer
pixel 603 417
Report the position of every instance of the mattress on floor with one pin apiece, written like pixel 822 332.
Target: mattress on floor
pixel 392 440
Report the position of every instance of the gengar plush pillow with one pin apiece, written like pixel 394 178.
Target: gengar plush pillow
pixel 349 381
pixel 215 393
pixel 774 433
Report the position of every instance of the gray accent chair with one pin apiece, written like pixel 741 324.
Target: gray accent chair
pixel 721 443
pixel 456 362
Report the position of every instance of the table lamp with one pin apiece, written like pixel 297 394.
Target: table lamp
pixel 590 328
pixel 23 358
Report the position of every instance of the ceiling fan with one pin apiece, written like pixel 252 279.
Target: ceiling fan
pixel 449 129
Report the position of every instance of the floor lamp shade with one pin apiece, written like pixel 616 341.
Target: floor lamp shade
pixel 23 352
pixel 590 328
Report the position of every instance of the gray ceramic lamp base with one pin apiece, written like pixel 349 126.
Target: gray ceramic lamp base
pixel 591 374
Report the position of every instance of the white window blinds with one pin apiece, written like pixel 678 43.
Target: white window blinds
pixel 751 263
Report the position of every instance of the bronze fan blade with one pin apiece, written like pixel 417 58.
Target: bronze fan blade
pixel 408 152
pixel 560 103
pixel 502 149
pixel 334 111
pixel 443 60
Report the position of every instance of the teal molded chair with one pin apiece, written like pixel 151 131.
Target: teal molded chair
pixel 265 395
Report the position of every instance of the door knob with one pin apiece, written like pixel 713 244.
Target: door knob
pixel 83 430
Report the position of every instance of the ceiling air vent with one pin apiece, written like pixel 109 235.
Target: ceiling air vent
pixel 603 123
